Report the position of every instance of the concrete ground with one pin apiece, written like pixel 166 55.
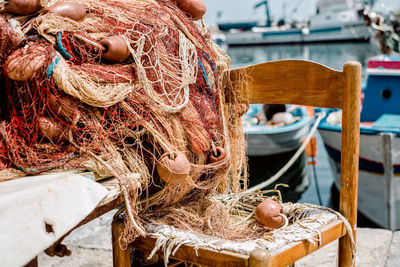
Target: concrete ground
pixel 91 246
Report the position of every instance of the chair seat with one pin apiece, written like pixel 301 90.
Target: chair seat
pixel 281 247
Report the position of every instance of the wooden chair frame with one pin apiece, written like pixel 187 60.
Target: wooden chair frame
pixel 289 82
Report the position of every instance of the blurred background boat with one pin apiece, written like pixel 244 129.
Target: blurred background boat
pixel 334 21
pixel 274 133
pixel 379 177
pixel 379 165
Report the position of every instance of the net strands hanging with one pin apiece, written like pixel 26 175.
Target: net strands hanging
pixel 72 106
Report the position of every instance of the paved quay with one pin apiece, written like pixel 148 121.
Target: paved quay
pixel 91 246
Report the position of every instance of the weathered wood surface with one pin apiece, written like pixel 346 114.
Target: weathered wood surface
pixel 204 256
pixel 349 155
pixel 307 83
pixel 373 246
pixel 387 151
pixel 211 257
pixel 259 258
pixel 290 82
pixel 329 233
pixel 121 257
pixel 90 246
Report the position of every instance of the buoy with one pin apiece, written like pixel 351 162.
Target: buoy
pixel 173 171
pixel 22 65
pixel 115 49
pixel 220 155
pixel 70 10
pixel 268 214
pixel 22 7
pixel 63 106
pixel 52 130
pixel 10 36
pixel 195 8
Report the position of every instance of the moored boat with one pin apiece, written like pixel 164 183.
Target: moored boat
pixel 334 22
pixel 379 165
pixel 273 137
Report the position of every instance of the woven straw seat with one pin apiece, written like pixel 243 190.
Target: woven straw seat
pixel 310 233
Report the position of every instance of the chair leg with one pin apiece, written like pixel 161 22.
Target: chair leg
pixel 259 258
pixel 121 257
pixel 139 258
pixel 349 157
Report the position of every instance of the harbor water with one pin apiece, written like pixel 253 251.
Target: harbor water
pixel 331 55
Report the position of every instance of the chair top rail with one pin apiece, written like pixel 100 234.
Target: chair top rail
pixel 297 82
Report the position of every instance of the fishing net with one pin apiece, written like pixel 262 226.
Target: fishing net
pixel 68 107
pixel 162 116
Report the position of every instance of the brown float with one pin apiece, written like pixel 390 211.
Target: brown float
pixel 70 10
pixel 21 66
pixel 22 7
pixel 268 214
pixel 52 130
pixel 220 155
pixel 195 8
pixel 173 171
pixel 115 49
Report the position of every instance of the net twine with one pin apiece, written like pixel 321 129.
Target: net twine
pixel 166 97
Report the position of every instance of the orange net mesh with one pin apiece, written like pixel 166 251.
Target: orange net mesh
pixel 70 108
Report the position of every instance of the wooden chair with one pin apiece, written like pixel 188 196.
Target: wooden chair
pixel 288 82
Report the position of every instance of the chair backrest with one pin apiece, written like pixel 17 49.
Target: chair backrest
pixel 308 83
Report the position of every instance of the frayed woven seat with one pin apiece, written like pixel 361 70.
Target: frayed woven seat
pixel 311 230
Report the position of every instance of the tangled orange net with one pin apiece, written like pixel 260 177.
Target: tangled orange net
pixel 68 104
pixel 134 89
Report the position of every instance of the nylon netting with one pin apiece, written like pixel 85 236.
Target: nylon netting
pixel 79 111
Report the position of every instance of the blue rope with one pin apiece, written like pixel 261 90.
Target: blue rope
pixel 211 62
pixel 203 70
pixel 60 46
pixel 51 67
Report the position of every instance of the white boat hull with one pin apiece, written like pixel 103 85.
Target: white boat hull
pixel 379 179
pixel 355 31
pixel 259 144
pixel 266 140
